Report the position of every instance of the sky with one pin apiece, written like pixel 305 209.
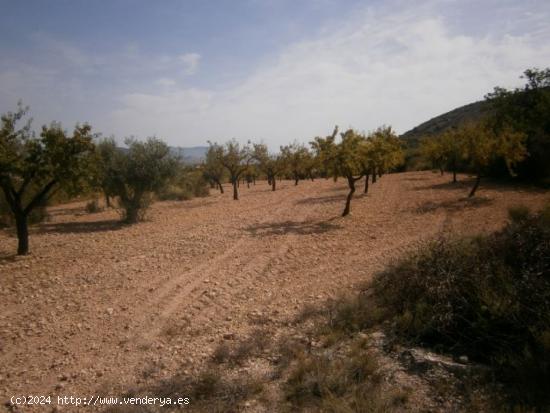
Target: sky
pixel 274 71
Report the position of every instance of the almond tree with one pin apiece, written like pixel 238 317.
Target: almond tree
pixel 349 163
pixel 236 160
pixel 33 168
pixel 324 151
pixel 271 165
pixel 390 149
pixel 482 146
pixel 295 157
pixel 432 150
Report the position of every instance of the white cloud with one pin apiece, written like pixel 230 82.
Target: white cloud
pixel 386 67
pixel 397 64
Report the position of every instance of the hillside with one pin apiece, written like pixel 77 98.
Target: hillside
pixel 192 155
pixel 455 117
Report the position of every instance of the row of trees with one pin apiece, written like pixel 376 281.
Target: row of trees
pixel 475 147
pixel 35 168
pixel 354 156
pixel 512 138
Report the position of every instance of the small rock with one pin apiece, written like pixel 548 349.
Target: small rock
pixel 229 336
pixel 110 311
pixel 463 359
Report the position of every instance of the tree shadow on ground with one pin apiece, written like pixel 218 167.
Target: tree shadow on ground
pixel 466 184
pixel 292 227
pixel 79 227
pixel 462 185
pixel 322 199
pixel 453 205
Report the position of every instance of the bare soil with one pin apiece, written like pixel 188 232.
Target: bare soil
pixel 100 308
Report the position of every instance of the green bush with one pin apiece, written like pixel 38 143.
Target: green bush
pixel 485 297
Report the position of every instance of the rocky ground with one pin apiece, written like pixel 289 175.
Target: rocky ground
pixel 99 308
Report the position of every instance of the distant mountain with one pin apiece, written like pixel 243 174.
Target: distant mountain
pixel 192 155
pixel 455 117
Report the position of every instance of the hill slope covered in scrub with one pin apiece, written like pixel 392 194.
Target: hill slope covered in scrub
pixel 469 112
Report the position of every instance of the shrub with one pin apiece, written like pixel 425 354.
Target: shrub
pixel 189 184
pixel 486 297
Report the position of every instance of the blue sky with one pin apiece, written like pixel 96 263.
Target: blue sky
pixel 271 70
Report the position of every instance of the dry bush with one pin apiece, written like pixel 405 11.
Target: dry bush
pixel 485 297
pixel 335 382
pixel 238 353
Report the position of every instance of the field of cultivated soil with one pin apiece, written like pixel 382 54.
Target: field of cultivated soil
pixel 99 308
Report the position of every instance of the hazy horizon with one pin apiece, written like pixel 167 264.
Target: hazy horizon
pixel 272 71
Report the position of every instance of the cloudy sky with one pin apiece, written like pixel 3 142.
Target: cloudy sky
pixel 272 70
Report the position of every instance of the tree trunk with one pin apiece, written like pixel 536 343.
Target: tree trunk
pixel 235 190
pixel 454 176
pixel 248 184
pixel 220 187
pixel 476 185
pixel 22 234
pixel 296 179
pixel 374 176
pixel 441 170
pixel 273 183
pixel 351 184
pixel 367 183
pixel 107 201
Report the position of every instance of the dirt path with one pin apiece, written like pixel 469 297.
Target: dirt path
pixel 100 308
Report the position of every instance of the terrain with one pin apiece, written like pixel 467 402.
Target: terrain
pixel 101 308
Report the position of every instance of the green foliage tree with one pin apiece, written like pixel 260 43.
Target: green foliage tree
pixel 213 169
pixel 33 168
pixel 348 156
pixel 452 150
pixel 527 110
pixel 106 151
pixel 432 150
pixel 236 159
pixel 295 157
pixel 134 175
pixel 444 150
pixel 271 165
pixel 387 152
pixel 482 145
pixel 324 152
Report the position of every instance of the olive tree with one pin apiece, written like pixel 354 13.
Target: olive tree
pixel 213 169
pixel 106 151
pixel 33 168
pixel 135 174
